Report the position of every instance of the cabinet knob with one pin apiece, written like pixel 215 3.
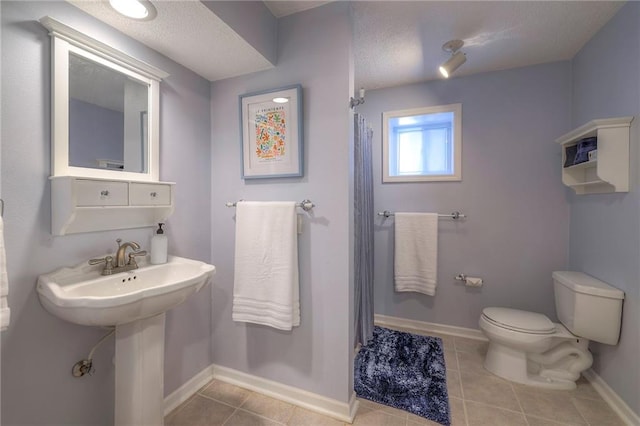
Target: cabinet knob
pixel 104 193
pixel 153 194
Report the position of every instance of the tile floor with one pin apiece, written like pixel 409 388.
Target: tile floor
pixel 476 398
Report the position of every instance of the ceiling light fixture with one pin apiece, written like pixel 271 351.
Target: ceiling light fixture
pixel 457 58
pixel 141 10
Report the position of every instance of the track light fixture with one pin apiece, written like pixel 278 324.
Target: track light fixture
pixel 457 58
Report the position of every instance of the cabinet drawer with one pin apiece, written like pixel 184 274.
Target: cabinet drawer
pixel 148 194
pixel 101 193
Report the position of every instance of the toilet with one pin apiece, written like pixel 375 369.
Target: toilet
pixel 527 347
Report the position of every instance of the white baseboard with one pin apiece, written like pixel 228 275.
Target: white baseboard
pixel 345 412
pixel 611 397
pixel 311 401
pixel 184 392
pixel 428 327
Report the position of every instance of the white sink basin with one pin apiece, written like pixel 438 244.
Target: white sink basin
pixel 82 296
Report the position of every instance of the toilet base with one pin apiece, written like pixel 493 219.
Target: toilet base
pixel 513 365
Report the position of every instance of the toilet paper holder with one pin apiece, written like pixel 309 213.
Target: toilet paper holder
pixel 469 281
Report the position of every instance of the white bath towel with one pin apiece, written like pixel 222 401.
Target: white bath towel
pixel 266 288
pixel 416 252
pixel 5 312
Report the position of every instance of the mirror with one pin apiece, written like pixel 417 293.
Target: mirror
pixel 107 118
pixel 105 109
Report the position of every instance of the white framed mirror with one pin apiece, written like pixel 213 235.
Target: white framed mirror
pixel 105 109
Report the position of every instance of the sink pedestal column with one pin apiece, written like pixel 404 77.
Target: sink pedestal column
pixel 139 396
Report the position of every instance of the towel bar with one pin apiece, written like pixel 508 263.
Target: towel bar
pixel 305 205
pixel 455 215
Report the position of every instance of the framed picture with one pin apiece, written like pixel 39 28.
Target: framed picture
pixel 271 131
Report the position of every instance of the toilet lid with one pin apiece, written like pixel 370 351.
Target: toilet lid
pixel 517 320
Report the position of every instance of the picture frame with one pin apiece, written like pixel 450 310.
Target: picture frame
pixel 271 133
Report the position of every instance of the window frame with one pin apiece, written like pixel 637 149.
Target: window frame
pixel 456 146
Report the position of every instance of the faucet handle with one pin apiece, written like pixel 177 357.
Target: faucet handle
pixel 132 255
pixel 118 240
pixel 108 264
pixel 106 260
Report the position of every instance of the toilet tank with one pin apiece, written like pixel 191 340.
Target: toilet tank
pixel 588 307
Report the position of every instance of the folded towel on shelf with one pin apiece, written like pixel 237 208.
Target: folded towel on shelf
pixel 266 287
pixel 5 312
pixel 416 252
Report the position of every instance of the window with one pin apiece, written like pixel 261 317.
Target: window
pixel 422 144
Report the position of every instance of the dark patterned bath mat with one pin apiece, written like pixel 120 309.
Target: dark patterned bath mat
pixel 404 371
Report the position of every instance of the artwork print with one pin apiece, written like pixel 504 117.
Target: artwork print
pixel 271 124
pixel 271 134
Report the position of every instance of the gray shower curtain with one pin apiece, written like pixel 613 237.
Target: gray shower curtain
pixel 363 221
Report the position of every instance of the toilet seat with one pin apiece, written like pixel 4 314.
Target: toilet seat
pixel 520 321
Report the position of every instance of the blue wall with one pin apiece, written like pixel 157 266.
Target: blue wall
pixel 38 350
pixel 94 133
pixel 314 50
pixel 605 228
pixel 517 228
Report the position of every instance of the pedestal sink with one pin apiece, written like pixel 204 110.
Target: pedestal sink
pixel 135 303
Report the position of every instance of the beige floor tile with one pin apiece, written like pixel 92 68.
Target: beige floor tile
pixel 470 345
pixel 270 408
pixel 378 418
pixel 374 406
pixel 390 410
pixel 225 392
pixel 456 407
pixel 584 389
pixel 244 418
pixel 484 415
pixel 200 411
pixel 472 362
pixel 421 422
pixel 453 384
pixel 365 403
pixel 302 417
pixel 450 360
pixel 175 410
pixel 597 412
pixel 537 421
pixel 414 419
pixel 488 390
pixel 552 405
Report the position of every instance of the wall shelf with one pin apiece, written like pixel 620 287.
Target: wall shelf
pixel 81 204
pixel 610 171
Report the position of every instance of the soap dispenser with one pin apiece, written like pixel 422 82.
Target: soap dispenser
pixel 159 246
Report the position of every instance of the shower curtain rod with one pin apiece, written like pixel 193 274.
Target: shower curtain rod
pixel 455 215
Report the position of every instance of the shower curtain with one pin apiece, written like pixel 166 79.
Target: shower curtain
pixel 363 221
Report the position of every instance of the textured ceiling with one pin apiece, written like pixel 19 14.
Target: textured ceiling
pixel 395 42
pixel 190 34
pixel 285 8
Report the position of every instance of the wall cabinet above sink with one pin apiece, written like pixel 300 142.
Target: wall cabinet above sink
pixel 87 205
pixel 105 147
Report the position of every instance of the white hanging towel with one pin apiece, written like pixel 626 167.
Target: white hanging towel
pixel 5 312
pixel 266 289
pixel 416 252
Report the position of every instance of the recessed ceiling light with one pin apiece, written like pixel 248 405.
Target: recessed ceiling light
pixel 281 100
pixel 141 10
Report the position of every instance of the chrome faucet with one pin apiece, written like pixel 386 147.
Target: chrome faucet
pixel 112 266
